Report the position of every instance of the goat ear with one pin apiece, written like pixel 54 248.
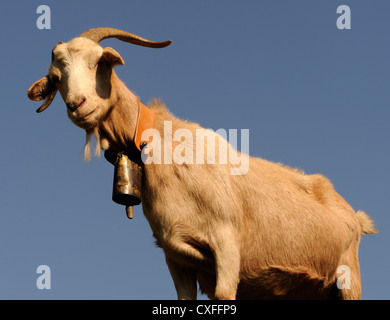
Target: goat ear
pixel 42 89
pixel 112 57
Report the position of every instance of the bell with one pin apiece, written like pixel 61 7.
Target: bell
pixel 127 183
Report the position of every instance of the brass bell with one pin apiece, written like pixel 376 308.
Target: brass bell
pixel 127 183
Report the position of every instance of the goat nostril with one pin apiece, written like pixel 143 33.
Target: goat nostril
pixel 74 105
pixel 82 101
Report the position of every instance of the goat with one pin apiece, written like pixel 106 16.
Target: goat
pixel 272 233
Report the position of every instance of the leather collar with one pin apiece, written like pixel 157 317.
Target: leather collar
pixel 145 120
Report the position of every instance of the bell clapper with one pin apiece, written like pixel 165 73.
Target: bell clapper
pixel 130 212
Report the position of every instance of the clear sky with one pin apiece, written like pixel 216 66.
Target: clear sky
pixel 313 97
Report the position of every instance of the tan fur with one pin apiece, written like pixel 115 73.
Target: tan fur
pixel 272 233
pixel 366 223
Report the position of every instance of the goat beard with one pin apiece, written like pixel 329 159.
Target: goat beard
pixel 88 142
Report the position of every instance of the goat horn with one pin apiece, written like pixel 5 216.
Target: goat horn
pixel 99 34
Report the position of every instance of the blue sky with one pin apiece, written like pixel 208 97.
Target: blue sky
pixel 313 97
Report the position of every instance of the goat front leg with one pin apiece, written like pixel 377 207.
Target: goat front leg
pixel 227 265
pixel 184 280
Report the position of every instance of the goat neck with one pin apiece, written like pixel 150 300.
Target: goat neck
pixel 118 126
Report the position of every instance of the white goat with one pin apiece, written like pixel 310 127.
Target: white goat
pixel 273 232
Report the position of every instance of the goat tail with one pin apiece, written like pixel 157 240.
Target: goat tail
pixel 366 223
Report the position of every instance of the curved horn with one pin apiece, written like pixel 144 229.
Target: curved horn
pixel 99 34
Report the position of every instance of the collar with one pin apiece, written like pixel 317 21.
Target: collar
pixel 145 120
